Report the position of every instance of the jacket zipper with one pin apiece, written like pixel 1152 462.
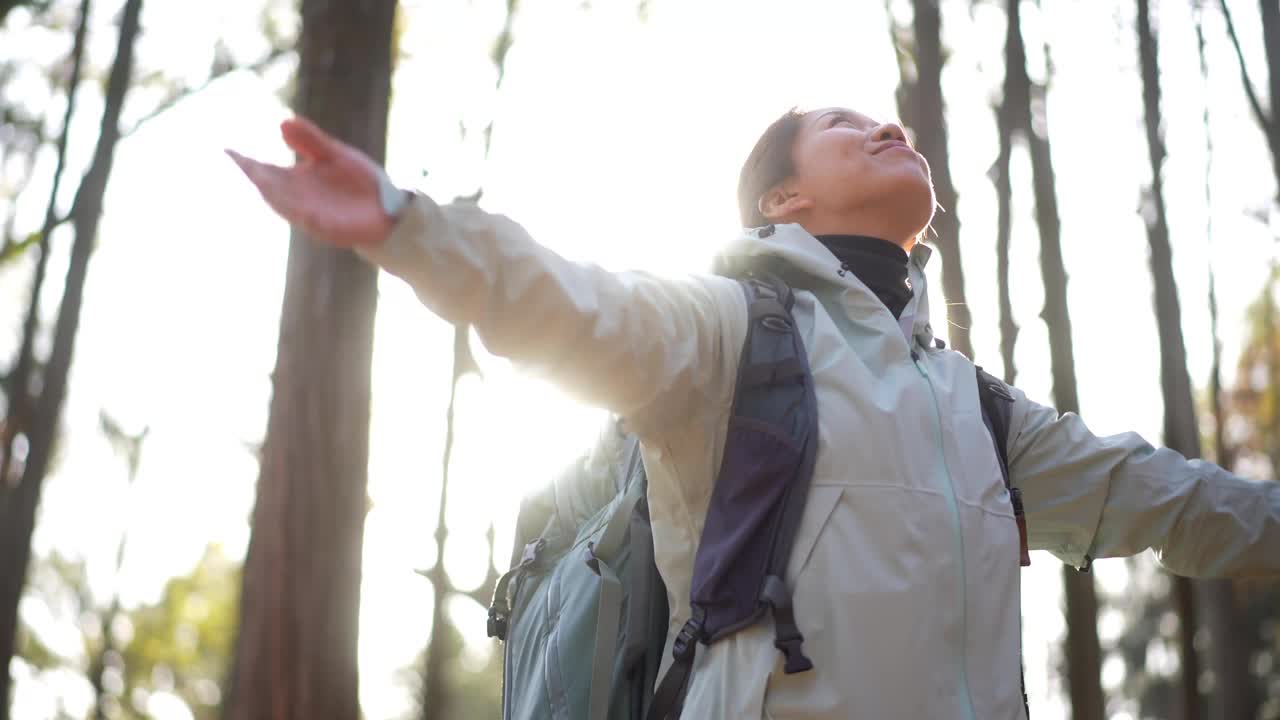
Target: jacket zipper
pixel 957 546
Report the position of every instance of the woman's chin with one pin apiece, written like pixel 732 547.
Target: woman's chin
pixel 915 207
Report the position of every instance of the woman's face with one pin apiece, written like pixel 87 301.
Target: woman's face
pixel 849 166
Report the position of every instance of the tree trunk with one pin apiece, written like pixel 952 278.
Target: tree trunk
pixel 1270 12
pixel 130 446
pixel 1229 650
pixel 920 104
pixel 1180 430
pixel 1221 454
pixel 1083 652
pixel 21 503
pixel 435 699
pixel 1014 96
pixel 18 383
pixel 6 6
pixel 1269 123
pixel 296 648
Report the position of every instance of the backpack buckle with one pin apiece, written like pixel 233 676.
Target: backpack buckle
pixel 786 634
pixel 497 624
pixel 530 553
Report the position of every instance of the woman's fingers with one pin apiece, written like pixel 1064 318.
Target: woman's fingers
pixel 303 137
pixel 274 182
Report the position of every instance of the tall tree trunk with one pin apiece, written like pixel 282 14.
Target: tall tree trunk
pixel 1180 430
pixel 18 382
pixel 435 701
pixel 19 509
pixel 920 104
pixel 1221 453
pixel 1014 96
pixel 1234 694
pixel 6 6
pixel 1268 122
pixel 130 446
pixel 296 648
pixel 1083 651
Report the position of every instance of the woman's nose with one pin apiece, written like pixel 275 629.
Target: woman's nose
pixel 889 131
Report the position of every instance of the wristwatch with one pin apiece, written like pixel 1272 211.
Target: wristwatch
pixel 392 198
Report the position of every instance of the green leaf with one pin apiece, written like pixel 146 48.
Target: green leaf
pixel 15 250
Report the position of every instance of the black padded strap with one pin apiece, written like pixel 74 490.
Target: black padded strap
pixel 668 699
pixel 787 636
pixel 639 600
pixel 997 405
pixel 771 373
pixel 1022 682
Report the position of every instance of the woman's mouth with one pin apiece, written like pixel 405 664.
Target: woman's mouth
pixel 894 145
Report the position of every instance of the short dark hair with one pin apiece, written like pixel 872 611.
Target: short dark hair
pixel 769 163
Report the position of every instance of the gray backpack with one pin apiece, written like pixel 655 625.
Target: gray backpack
pixel 583 611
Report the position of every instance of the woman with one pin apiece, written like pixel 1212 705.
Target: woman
pixel 905 568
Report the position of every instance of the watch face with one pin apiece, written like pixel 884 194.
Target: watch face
pixel 393 199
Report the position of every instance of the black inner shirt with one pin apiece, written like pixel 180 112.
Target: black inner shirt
pixel 879 264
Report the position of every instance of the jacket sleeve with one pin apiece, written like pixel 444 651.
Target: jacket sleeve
pixel 646 347
pixel 1093 497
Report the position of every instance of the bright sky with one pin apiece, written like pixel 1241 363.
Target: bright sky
pixel 617 142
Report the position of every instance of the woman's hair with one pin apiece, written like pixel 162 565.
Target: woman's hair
pixel 769 163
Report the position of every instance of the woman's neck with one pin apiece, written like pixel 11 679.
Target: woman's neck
pixel 859 227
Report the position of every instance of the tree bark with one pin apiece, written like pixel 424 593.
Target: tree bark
pixel 1014 96
pixel 1270 13
pixel 296 651
pixel 1180 429
pixel 1083 651
pixel 1221 453
pixel 22 502
pixel 1229 650
pixel 921 106
pixel 435 699
pixel 6 6
pixel 19 510
pixel 130 446
pixel 18 381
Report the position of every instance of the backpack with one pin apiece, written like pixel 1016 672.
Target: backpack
pixel 583 612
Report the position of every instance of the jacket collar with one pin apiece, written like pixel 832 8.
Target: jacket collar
pixel 809 263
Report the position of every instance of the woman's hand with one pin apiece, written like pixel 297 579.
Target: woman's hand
pixel 331 192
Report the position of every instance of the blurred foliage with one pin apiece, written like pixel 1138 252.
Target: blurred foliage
pixel 1253 418
pixel 472 677
pixel 1148 643
pixel 179 645
pixel 183 643
pixel 28 128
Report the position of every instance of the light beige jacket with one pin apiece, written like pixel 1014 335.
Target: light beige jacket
pixel 905 571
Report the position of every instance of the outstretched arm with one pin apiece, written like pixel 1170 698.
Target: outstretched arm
pixel 649 348
pixel 1090 496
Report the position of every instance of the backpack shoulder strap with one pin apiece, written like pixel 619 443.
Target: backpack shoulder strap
pixel 764 475
pixel 997 407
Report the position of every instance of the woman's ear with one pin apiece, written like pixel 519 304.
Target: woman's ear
pixel 783 201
